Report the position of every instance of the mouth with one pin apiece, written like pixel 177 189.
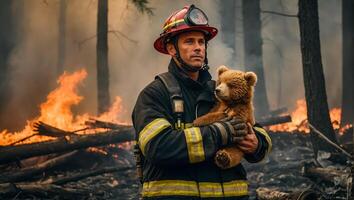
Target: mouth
pixel 219 96
pixel 197 57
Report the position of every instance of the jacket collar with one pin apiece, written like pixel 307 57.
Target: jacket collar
pixel 204 76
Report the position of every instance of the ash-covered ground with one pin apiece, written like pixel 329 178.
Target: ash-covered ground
pixel 282 171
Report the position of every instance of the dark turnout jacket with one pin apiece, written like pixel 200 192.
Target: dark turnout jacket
pixel 179 164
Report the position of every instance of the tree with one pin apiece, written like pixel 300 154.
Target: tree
pixel 253 52
pixel 102 50
pixel 102 56
pixel 348 62
pixel 228 25
pixel 62 36
pixel 315 89
pixel 7 43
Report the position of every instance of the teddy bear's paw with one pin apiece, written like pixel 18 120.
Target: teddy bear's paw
pixel 222 160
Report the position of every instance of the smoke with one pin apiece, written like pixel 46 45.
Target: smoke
pixel 282 55
pixel 133 62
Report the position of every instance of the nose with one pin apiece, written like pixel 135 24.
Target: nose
pixel 217 90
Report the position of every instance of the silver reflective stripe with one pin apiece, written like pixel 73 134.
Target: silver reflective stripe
pixel 223 132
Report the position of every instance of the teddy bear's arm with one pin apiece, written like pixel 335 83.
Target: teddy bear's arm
pixel 209 118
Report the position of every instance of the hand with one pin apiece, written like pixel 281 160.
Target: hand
pixel 232 130
pixel 250 142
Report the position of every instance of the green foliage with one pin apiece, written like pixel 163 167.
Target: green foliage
pixel 142 6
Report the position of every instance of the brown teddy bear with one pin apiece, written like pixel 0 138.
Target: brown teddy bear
pixel 234 92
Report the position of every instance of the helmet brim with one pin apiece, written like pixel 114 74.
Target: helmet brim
pixel 209 31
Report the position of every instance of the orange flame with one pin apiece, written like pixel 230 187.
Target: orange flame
pixel 56 111
pixel 299 120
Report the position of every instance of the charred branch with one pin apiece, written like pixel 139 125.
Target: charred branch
pixel 28 172
pixel 331 175
pixel 321 135
pixel 274 120
pixel 79 176
pixel 41 190
pixel 64 144
pixel 94 123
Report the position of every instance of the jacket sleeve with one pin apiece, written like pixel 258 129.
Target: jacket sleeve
pixel 264 145
pixel 159 142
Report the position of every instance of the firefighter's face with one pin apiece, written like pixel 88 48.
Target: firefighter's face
pixel 191 47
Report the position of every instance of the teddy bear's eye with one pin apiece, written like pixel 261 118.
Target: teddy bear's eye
pixel 232 84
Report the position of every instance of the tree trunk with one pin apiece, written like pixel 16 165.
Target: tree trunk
pixel 253 53
pixel 315 89
pixel 348 62
pixel 102 57
pixel 7 43
pixel 228 26
pixel 61 37
pixel 64 144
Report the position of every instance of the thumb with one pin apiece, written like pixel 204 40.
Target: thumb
pixel 250 129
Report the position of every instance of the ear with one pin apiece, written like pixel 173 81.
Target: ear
pixel 221 69
pixel 171 49
pixel 251 78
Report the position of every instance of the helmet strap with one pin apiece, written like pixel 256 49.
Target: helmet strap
pixel 185 67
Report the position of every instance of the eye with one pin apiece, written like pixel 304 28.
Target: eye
pixel 201 42
pixel 232 84
pixel 189 41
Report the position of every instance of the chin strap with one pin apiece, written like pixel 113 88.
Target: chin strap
pixel 185 67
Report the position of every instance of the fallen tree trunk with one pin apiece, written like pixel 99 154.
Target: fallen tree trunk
pixel 337 177
pixel 64 144
pixel 274 120
pixel 273 194
pixel 28 172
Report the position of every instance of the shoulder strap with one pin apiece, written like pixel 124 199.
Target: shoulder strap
pixel 171 84
pixel 176 98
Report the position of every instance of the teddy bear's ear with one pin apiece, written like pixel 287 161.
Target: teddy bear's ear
pixel 221 69
pixel 251 78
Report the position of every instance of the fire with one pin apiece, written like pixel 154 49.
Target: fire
pixel 299 120
pixel 57 111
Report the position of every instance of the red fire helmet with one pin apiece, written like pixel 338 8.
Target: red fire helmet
pixel 189 18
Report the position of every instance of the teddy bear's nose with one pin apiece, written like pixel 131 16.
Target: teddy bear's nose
pixel 217 90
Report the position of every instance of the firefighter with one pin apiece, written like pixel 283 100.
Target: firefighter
pixel 177 159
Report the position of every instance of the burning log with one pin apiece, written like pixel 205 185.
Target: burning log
pixel 337 177
pixel 274 120
pixel 64 144
pixel 28 172
pixel 273 194
pixel 48 130
pixel 94 123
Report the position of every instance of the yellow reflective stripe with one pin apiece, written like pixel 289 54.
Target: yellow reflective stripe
pixel 194 144
pixel 170 188
pixel 188 125
pixel 265 134
pixel 210 189
pixel 172 23
pixel 184 126
pixel 235 188
pixel 191 188
pixel 150 131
